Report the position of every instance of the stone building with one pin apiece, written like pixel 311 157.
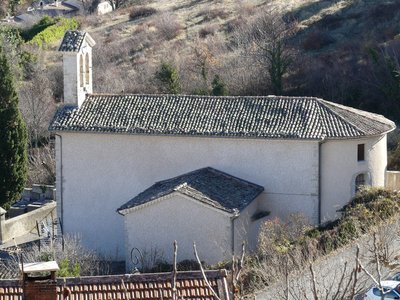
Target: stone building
pixel 300 154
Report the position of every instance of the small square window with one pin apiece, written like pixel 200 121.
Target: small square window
pixel 361 152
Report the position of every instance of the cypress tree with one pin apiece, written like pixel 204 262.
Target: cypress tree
pixel 13 139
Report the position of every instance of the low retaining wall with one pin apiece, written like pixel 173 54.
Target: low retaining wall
pixel 25 223
pixel 393 180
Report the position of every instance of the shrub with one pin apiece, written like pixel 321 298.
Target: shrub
pixel 141 12
pixel 168 26
pixel 73 260
pixel 30 33
pixel 326 241
pixel 347 231
pixel 69 270
pixel 207 30
pixel 317 40
pixel 218 86
pixel 188 265
pixel 384 208
pixel 169 76
pixel 369 194
pixel 363 215
pixel 54 32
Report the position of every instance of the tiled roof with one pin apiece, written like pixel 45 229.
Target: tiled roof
pixel 190 285
pixel 72 41
pixel 207 185
pixel 253 117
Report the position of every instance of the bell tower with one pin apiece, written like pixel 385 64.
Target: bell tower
pixel 76 47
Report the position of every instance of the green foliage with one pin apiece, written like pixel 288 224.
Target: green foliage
pixel 11 35
pixel 13 139
pixel 347 231
pixel 69 270
pixel 281 237
pixel 46 256
pixel 30 33
pixel 369 194
pixel 368 208
pixel 218 86
pixel 54 32
pixel 27 62
pixel 384 208
pixel 11 42
pixel 13 5
pixel 169 76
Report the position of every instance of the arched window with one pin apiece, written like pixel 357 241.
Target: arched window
pixel 81 71
pixel 87 76
pixel 360 181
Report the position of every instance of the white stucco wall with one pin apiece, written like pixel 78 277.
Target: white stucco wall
pixel 155 226
pixel 71 78
pixel 103 171
pixel 104 8
pixel 246 230
pixel 339 168
pixel 74 92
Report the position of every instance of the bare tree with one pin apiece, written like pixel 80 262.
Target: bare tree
pixel 89 5
pixel 266 39
pixel 118 3
pixel 37 105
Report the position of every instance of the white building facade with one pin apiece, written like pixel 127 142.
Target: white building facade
pixel 308 154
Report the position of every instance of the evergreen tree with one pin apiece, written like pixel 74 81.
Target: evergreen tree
pixel 13 139
pixel 169 76
pixel 218 87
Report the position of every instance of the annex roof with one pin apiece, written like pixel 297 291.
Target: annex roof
pixel 233 116
pixel 208 185
pixel 73 41
pixel 190 286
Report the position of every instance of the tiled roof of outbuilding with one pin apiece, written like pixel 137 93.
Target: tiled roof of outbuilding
pixel 235 116
pixel 72 41
pixel 207 185
pixel 190 285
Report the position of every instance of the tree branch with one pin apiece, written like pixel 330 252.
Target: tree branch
pixel 203 273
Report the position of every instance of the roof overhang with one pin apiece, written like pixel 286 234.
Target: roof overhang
pixel 229 213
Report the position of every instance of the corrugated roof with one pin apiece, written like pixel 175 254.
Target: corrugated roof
pixel 252 117
pixel 207 185
pixel 190 286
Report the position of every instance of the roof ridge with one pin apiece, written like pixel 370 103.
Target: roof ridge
pixel 292 98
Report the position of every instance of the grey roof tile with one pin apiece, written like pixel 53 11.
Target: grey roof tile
pixel 206 185
pixel 72 41
pixel 234 116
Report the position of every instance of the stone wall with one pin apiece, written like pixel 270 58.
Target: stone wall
pixel 25 223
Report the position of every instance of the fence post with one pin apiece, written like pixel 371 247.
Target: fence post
pixel 2 224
